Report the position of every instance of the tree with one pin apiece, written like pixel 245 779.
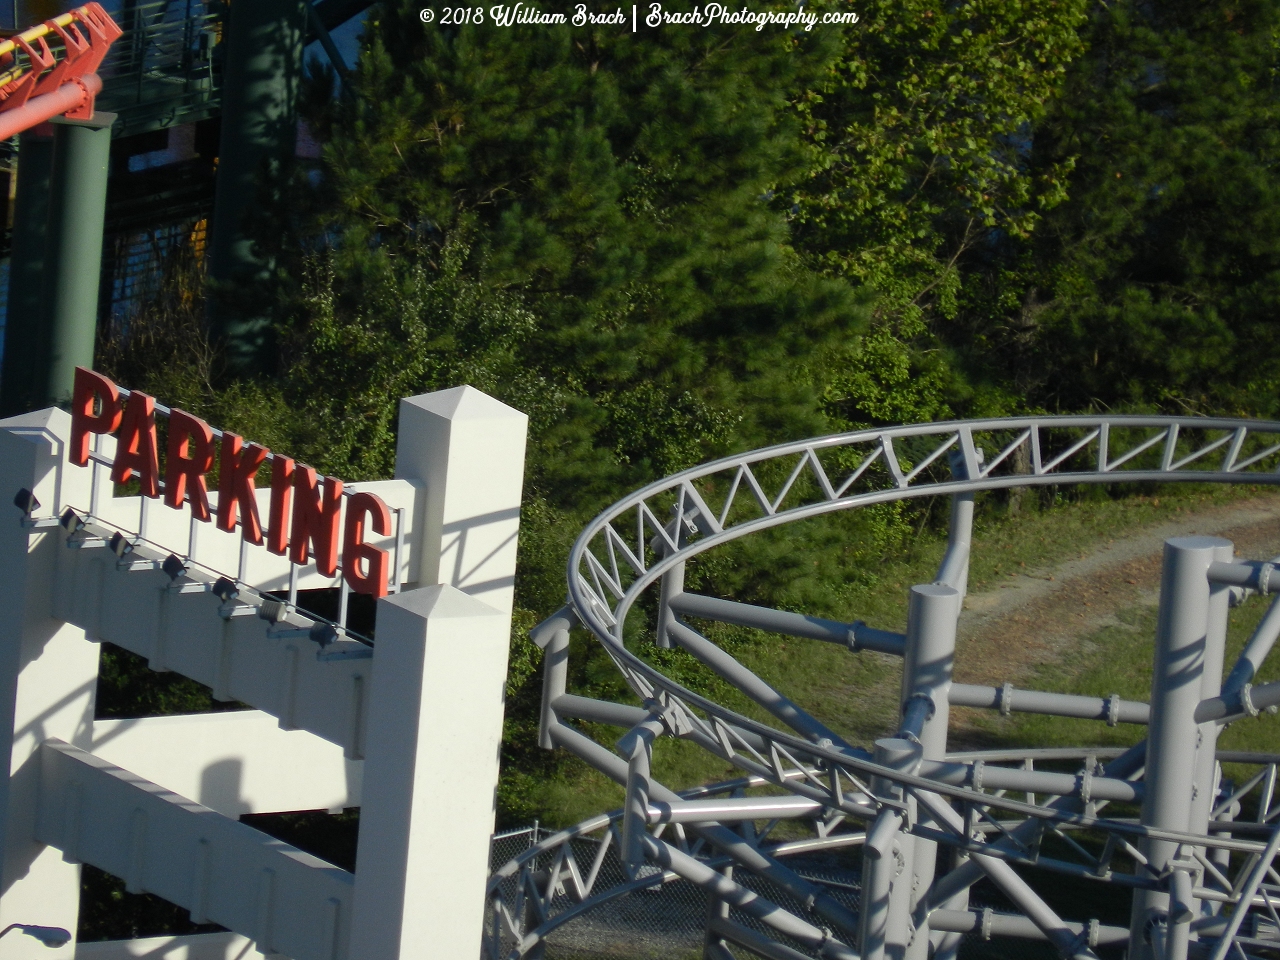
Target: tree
pixel 920 134
pixel 579 221
pixel 614 188
pixel 1156 284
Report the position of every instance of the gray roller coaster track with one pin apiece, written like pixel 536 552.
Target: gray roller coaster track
pixel 1194 851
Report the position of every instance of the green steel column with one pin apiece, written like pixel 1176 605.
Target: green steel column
pixel 22 376
pixel 77 209
pixel 259 126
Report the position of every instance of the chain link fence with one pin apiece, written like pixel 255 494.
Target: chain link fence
pixel 669 921
pixel 665 921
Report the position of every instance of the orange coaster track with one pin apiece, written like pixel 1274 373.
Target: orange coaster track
pixel 38 82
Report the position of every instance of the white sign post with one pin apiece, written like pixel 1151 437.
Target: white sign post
pixel 154 800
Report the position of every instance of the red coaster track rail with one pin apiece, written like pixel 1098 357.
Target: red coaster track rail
pixel 36 84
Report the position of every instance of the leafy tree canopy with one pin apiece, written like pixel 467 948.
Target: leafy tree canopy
pixel 1155 285
pixel 920 131
pixel 591 206
pixel 587 224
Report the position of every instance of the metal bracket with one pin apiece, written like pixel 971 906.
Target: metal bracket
pixel 1113 710
pixel 671 715
pixel 138 564
pixel 358 652
pixel 1006 699
pixel 231 610
pixel 321 632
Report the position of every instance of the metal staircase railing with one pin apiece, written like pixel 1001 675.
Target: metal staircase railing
pixel 162 72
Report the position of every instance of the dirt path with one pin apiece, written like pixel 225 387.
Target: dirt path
pixel 1008 632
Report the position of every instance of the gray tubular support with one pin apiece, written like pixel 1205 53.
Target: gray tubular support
pixel 883 860
pixel 946 943
pixel 1039 754
pixel 720 837
pixel 732 809
pixel 1222 858
pixel 1255 651
pixel 552 635
pixel 598 711
pixel 564 619
pixel 886 859
pixel 915 715
pixel 1205 775
pixel 1032 781
pixel 755 688
pixel 1247 701
pixel 953 572
pixel 714 946
pixel 672 583
pixel 928 656
pixel 1182 910
pixel 926 679
pixel 737 934
pixel 1238 697
pixel 987 924
pixel 1012 885
pixel 1179 666
pixel 1008 700
pixel 856 636
pixel 954 569
pixel 969 873
pixel 1256 575
pixel 669 590
pixel 637 744
pixel 746 900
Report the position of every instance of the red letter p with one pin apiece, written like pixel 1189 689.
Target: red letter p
pixel 89 387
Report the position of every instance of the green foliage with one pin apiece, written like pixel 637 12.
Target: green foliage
pixel 128 688
pixel 108 912
pixel 584 226
pixel 1155 284
pixel 919 134
pixel 574 222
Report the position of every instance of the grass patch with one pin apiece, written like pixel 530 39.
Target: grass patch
pixel 1118 659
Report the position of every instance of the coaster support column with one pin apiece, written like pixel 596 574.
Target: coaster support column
pixel 1183 632
pixel 21 380
pixel 259 130
pixel 77 213
pixel 926 678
